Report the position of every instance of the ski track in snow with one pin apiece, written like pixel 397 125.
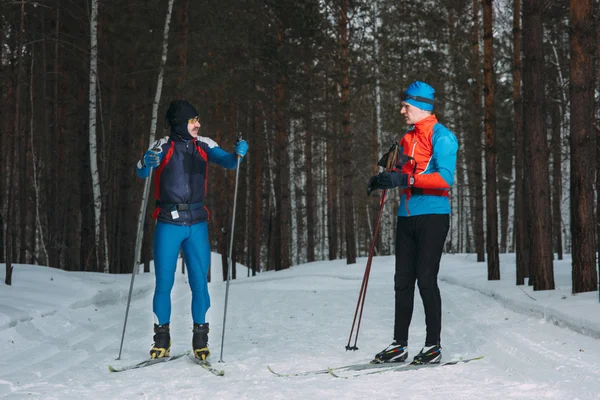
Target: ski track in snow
pixel 63 343
pixel 297 320
pixel 517 354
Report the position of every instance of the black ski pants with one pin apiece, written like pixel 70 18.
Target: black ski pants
pixel 419 245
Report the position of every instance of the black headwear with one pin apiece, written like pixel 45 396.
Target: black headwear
pixel 178 114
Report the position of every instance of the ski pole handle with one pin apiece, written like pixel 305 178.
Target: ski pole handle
pixel 392 158
pixel 238 138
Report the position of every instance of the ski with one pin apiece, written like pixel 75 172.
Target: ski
pixel 377 367
pixel 302 373
pixel 403 367
pixel 208 366
pixel 147 363
pixel 351 367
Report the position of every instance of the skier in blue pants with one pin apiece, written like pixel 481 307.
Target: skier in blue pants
pixel 180 166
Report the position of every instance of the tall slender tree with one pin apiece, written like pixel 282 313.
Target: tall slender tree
pixel 493 260
pixel 583 160
pixel 557 181
pixel 535 132
pixel 521 236
pixel 346 140
pixel 475 173
pixel 12 232
pixel 557 104
pixel 34 161
pixel 282 184
pixel 93 143
pixel 597 126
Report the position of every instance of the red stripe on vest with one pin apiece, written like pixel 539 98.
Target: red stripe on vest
pixel 202 152
pixel 429 192
pixel 205 158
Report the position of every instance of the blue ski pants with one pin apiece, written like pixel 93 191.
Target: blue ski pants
pixel 193 240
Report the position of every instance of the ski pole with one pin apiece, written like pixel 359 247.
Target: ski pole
pixel 363 289
pixel 229 258
pixel 138 245
pixel 360 304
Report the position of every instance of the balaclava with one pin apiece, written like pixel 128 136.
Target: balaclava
pixel 178 114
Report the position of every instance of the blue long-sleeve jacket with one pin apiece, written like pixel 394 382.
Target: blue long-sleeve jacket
pixel 433 149
pixel 182 177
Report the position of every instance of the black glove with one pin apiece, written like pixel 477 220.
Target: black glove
pixel 372 185
pixel 386 180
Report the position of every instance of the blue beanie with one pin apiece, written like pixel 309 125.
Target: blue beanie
pixel 420 95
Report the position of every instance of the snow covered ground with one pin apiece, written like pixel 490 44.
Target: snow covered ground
pixel 60 330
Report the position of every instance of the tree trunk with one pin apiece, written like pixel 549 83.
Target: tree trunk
pixel 10 223
pixel 332 214
pixel 385 235
pixel 490 145
pixel 257 155
pixel 272 231
pixel 19 196
pixel 36 184
pixel 348 199
pixel 2 244
pixel 295 235
pixel 55 239
pixel 8 275
pixel 475 173
pixel 557 183
pixel 96 188
pixel 222 249
pixel 459 239
pixel 583 160
pixel 597 126
pixel 521 248
pixel 308 160
pixel 5 88
pixel 373 205
pixel 282 180
pixel 533 96
pixel 331 183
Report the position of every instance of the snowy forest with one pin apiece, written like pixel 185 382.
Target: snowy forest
pixel 314 86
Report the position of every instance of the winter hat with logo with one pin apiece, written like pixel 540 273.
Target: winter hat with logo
pixel 178 114
pixel 420 95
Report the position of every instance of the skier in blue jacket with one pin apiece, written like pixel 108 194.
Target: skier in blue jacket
pixel 180 165
pixel 425 175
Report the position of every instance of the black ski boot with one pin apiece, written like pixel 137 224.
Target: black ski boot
pixel 162 341
pixel 200 341
pixel 395 352
pixel 428 355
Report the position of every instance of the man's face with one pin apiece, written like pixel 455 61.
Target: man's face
pixel 412 114
pixel 194 126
